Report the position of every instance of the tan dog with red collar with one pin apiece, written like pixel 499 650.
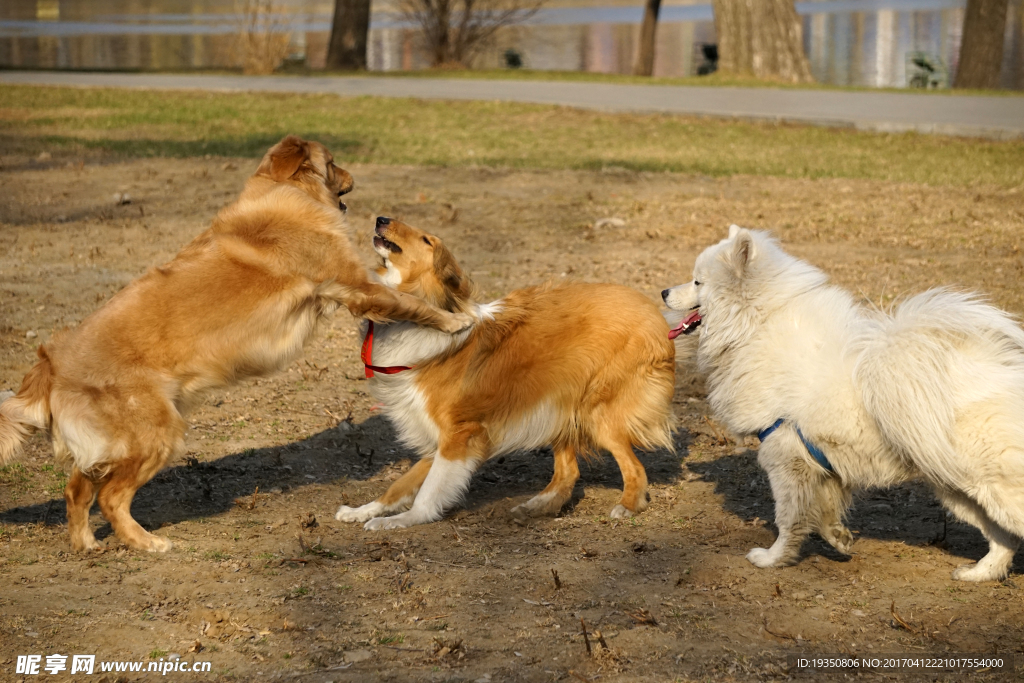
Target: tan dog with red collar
pixel 578 366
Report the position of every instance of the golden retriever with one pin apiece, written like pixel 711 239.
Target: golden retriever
pixel 239 301
pixel 578 366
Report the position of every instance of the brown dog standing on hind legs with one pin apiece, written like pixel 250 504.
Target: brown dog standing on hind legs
pixel 578 366
pixel 239 301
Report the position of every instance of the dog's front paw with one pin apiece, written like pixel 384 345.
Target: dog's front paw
pixel 385 523
pixel 457 322
pixel 88 544
pixel 761 557
pixel 620 512
pixel 978 572
pixel 359 514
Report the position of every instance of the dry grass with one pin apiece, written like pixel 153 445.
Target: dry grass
pixel 261 41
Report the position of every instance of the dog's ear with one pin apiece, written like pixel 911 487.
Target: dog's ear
pixel 743 251
pixel 457 286
pixel 284 159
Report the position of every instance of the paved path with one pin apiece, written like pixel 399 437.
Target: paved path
pixel 968 115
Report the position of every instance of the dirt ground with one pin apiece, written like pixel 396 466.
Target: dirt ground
pixel 266 585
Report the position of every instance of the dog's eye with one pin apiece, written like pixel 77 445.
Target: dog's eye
pixel 428 242
pixel 696 284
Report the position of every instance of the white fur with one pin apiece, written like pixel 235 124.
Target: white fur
pixel 488 311
pixel 392 276
pixel 532 430
pixel 370 510
pixel 444 486
pixel 936 389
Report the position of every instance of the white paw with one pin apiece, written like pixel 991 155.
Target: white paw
pixel 359 514
pixel 761 557
pixel 977 572
pixel 620 512
pixel 384 523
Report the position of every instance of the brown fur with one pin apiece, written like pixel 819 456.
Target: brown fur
pixel 597 354
pixel 239 301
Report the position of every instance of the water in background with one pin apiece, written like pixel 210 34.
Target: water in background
pixel 849 42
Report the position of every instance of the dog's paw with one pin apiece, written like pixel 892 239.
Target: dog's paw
pixel 159 544
pixel 840 538
pixel 761 557
pixel 978 572
pixel 541 505
pixel 457 322
pixel 385 523
pixel 359 514
pixel 620 512
pixel 87 545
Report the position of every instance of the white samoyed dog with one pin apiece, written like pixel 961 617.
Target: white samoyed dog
pixel 845 397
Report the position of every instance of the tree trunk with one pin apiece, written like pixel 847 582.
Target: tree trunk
pixel 645 57
pixel 347 48
pixel 761 38
pixel 981 50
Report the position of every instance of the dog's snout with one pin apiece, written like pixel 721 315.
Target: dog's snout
pixel 382 221
pixel 665 293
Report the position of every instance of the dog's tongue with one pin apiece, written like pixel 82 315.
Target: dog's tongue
pixel 684 325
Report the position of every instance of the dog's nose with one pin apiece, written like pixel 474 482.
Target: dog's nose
pixel 664 292
pixel 382 221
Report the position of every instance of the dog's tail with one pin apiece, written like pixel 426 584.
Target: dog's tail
pixel 28 410
pixel 940 352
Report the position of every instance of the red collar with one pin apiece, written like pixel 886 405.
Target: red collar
pixel 367 356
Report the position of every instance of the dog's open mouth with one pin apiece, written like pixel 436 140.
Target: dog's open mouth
pixel 686 325
pixel 381 243
pixel 342 205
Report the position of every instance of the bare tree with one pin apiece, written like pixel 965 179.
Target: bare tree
pixel 347 48
pixel 648 30
pixel 456 30
pixel 261 37
pixel 981 51
pixel 761 38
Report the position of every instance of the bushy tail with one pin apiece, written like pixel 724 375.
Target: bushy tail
pixel 917 368
pixel 28 410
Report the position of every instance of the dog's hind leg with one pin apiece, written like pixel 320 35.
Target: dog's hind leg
pixel 794 487
pixel 397 498
pixel 116 493
pixel 634 476
pixel 1002 544
pixel 79 495
pixel 557 493
pixel 461 451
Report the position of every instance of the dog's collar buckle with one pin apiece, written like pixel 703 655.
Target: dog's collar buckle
pixel 367 357
pixel 815 452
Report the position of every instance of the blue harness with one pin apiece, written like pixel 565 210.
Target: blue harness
pixel 815 452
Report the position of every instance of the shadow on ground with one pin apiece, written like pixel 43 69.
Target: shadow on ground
pixel 367 451
pixel 909 513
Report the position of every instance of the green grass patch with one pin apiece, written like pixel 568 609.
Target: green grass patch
pixel 714 80
pixel 135 123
